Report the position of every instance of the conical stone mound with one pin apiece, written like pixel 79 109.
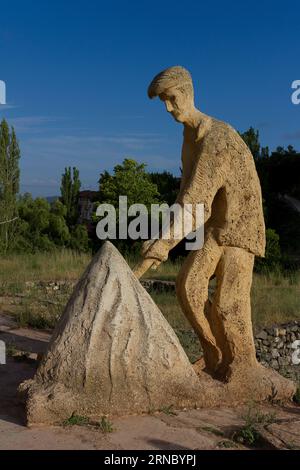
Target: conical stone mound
pixel 112 352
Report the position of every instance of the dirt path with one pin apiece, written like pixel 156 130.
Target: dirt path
pixel 194 429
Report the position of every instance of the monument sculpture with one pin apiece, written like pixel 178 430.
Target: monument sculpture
pixel 218 170
pixel 113 352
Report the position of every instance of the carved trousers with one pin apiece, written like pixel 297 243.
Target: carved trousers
pixel 223 325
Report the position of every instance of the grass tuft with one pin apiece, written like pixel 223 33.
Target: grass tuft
pixel 296 397
pixel 248 434
pixel 105 425
pixel 76 420
pixel 168 410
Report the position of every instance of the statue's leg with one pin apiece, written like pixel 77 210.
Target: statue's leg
pixel 192 292
pixel 232 307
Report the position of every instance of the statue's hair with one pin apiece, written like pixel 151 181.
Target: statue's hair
pixel 176 76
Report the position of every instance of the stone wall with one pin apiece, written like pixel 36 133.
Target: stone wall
pixel 274 345
pixel 158 285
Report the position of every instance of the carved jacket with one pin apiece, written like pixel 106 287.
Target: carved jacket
pixel 218 170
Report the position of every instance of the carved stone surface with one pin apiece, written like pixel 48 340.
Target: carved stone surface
pixel 218 171
pixel 112 351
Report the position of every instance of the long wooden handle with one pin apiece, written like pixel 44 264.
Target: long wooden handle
pixel 143 266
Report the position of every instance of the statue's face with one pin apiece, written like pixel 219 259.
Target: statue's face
pixel 177 104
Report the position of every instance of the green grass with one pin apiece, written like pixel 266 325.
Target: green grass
pixel 254 416
pixel 39 307
pixel 297 395
pixel 275 298
pixel 248 434
pixel 57 265
pixel 105 425
pixel 11 350
pixel 168 410
pixel 36 318
pixel 227 444
pixel 77 420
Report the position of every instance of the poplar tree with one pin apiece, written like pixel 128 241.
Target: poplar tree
pixel 70 187
pixel 9 185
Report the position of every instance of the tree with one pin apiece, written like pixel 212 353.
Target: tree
pixel 34 216
pixel 129 179
pixel 280 150
pixel 291 150
pixel 273 252
pixel 70 187
pixel 168 186
pixel 265 152
pixel 280 176
pixel 42 227
pixel 9 185
pixel 79 238
pixel 58 229
pixel 251 138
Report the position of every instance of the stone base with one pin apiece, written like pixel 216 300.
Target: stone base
pixel 56 403
pixel 247 384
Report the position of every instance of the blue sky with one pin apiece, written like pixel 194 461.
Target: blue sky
pixel 77 73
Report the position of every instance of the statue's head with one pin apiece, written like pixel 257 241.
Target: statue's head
pixel 174 86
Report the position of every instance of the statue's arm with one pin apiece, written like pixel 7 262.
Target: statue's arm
pixel 210 173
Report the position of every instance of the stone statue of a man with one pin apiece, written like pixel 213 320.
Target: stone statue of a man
pixel 218 171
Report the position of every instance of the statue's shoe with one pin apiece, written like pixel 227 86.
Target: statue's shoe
pixel 243 383
pixel 259 383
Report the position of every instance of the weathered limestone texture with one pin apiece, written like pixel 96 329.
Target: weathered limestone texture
pixel 218 171
pixel 112 351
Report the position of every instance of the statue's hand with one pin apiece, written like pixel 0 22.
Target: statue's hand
pixel 153 252
pixel 147 263
pixel 146 246
pixel 156 249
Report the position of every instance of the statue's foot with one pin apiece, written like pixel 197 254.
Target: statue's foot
pixel 211 368
pixel 258 382
pixel 243 382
